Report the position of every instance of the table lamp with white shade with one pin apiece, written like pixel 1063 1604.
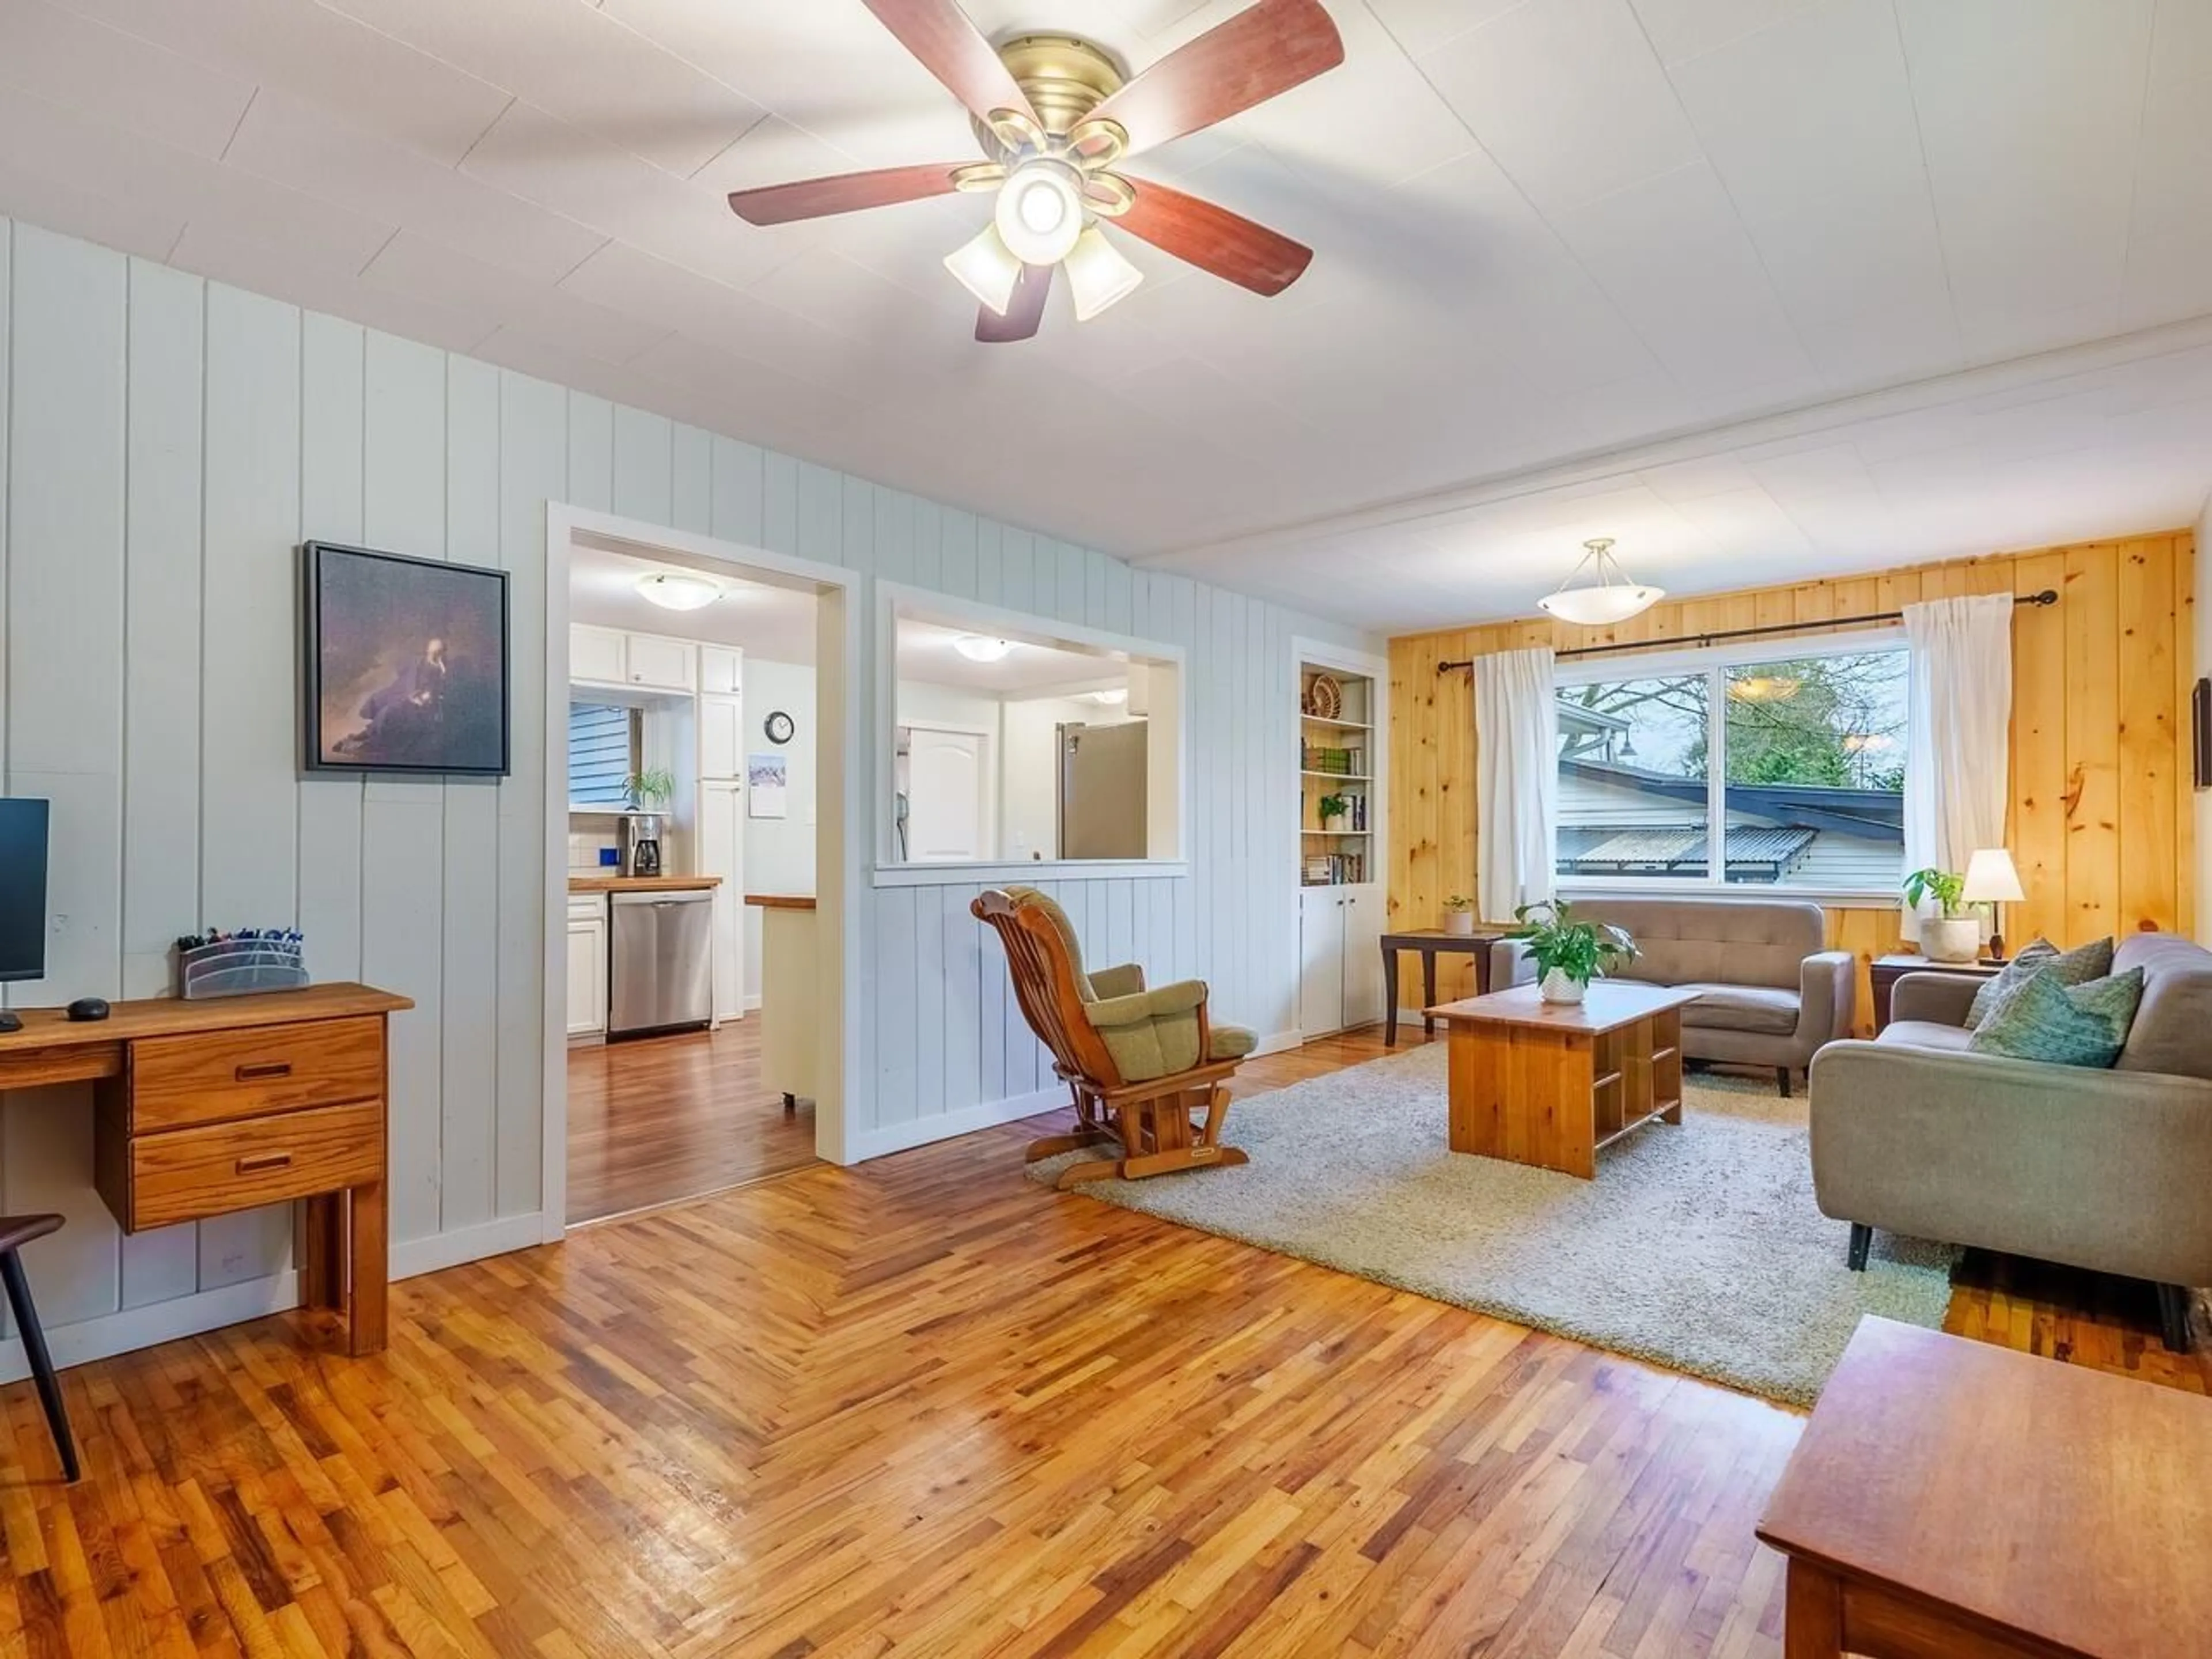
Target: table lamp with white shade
pixel 1991 880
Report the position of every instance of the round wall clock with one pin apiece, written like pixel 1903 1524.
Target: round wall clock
pixel 779 726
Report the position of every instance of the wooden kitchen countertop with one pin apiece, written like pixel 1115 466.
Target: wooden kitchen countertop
pixel 781 901
pixel 640 883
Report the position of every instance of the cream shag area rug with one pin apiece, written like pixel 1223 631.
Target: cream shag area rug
pixel 1699 1247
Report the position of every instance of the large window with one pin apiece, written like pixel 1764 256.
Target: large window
pixel 1808 792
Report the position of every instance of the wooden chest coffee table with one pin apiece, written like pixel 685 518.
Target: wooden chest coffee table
pixel 1549 1083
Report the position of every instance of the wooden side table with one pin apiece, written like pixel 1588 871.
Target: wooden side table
pixel 1428 941
pixel 1886 970
pixel 1952 1498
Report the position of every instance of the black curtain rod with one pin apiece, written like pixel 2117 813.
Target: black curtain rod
pixel 2049 596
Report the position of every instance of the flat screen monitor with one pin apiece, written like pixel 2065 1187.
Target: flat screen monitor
pixel 22 889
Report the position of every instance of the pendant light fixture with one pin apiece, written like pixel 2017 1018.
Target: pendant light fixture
pixel 1606 596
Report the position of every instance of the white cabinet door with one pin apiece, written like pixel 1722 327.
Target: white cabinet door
pixel 1363 954
pixel 1320 960
pixel 721 668
pixel 721 852
pixel 595 654
pixel 721 736
pixel 659 664
pixel 945 815
pixel 587 975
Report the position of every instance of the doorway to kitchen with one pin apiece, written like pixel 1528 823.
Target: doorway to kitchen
pixel 693 1033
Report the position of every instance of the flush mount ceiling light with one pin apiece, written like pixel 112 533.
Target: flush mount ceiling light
pixel 978 648
pixel 1055 115
pixel 1113 695
pixel 1607 597
pixel 678 590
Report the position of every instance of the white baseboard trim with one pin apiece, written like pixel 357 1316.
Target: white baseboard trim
pixel 428 1256
pixel 157 1322
pixel 1276 1042
pixel 752 1003
pixel 903 1137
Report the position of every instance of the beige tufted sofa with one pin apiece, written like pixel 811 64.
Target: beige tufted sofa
pixel 1770 993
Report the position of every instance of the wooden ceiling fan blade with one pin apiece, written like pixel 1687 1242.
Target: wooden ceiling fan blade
pixel 939 35
pixel 1264 50
pixel 846 192
pixel 1025 312
pixel 1215 239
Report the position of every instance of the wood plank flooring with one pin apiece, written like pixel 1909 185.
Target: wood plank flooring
pixel 654 1118
pixel 924 1407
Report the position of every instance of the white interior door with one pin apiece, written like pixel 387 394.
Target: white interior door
pixel 947 789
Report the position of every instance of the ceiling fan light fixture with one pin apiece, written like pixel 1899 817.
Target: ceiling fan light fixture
pixel 979 647
pixel 1039 214
pixel 673 590
pixel 1099 274
pixel 1608 597
pixel 987 268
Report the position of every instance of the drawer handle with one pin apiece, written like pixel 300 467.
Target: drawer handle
pixel 274 1068
pixel 265 1161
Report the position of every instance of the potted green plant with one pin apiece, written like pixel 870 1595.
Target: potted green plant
pixel 1953 934
pixel 650 790
pixel 1568 954
pixel 1459 915
pixel 1332 806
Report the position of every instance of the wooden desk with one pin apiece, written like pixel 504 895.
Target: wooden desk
pixel 1549 1083
pixel 1428 941
pixel 1885 971
pixel 204 1107
pixel 1952 1498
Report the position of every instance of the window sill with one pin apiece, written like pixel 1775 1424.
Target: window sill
pixel 1027 873
pixel 1834 898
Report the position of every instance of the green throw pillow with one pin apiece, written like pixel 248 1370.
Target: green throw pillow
pixel 2075 966
pixel 2113 1000
pixel 2040 1021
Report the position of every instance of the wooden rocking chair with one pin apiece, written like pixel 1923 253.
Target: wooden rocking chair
pixel 1138 1063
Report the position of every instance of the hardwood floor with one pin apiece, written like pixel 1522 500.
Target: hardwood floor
pixel 922 1406
pixel 656 1119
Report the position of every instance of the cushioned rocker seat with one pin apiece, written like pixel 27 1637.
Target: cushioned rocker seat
pixel 1138 1061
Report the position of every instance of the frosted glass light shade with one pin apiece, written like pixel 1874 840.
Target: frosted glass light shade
pixel 1097 274
pixel 987 268
pixel 978 648
pixel 1991 879
pixel 671 590
pixel 1595 606
pixel 1039 213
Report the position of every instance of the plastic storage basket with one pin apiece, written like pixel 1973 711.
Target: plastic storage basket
pixel 234 967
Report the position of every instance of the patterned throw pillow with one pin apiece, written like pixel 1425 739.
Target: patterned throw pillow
pixel 2075 966
pixel 2039 1021
pixel 2113 1000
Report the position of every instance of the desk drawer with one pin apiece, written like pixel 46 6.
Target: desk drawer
pixel 210 1078
pixel 186 1174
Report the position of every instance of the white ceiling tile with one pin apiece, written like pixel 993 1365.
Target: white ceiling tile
pixel 2181 47
pixel 278 270
pixel 1901 341
pixel 1682 30
pixel 1685 481
pixel 1675 259
pixel 1422 24
pixel 411 265
pixel 367 77
pixel 103 72
pixel 144 227
pixel 766 398
pixel 1568 97
pixel 579 65
pixel 294 144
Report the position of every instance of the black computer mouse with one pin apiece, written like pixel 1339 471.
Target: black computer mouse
pixel 88 1008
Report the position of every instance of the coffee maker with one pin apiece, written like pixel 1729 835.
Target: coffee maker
pixel 641 839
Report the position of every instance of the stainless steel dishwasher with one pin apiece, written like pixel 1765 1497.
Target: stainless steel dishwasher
pixel 662 972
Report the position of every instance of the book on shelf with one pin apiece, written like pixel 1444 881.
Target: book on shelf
pixel 1317 757
pixel 1334 869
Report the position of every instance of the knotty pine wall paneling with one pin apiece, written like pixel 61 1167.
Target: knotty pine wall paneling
pixel 2101 819
pixel 165 442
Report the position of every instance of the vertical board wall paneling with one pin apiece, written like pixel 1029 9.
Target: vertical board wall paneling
pixel 189 435
pixel 2101 819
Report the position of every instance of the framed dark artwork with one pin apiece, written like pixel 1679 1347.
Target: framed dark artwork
pixel 2200 732
pixel 406 664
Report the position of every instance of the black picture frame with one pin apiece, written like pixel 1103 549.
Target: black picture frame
pixel 360 669
pixel 2200 732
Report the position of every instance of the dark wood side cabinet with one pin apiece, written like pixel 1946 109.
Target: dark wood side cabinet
pixel 1886 971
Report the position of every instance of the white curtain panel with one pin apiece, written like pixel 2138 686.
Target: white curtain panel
pixel 1516 800
pixel 1957 745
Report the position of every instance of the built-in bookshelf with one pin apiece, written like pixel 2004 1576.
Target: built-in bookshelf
pixel 1336 769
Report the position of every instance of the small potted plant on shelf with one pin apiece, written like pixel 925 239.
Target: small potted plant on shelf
pixel 1459 915
pixel 1332 806
pixel 1953 934
pixel 1568 954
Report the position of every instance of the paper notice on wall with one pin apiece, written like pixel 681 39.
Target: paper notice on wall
pixel 767 781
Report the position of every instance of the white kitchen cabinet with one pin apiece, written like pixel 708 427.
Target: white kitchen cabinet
pixel 595 654
pixel 721 735
pixel 721 669
pixel 721 852
pixel 587 965
pixel 654 664
pixel 1339 957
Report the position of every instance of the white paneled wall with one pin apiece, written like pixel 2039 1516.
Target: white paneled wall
pixel 167 443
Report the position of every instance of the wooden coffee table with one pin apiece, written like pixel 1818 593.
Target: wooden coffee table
pixel 1956 1500
pixel 1549 1083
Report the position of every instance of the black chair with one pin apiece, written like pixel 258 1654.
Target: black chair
pixel 16 1231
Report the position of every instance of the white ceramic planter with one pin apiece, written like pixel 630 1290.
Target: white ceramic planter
pixel 1558 986
pixel 1959 938
pixel 1459 921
